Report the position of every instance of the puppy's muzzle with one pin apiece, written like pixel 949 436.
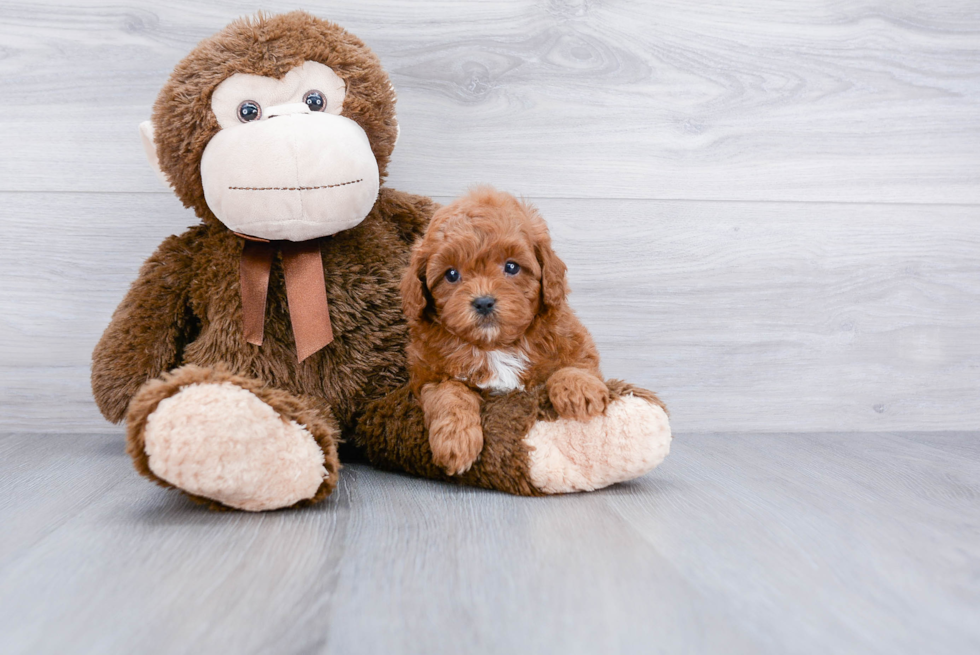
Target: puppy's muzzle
pixel 484 305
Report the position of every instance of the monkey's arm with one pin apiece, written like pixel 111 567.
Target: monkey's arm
pixel 409 213
pixel 393 436
pixel 148 330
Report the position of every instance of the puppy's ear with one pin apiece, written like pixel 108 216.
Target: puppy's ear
pixel 416 299
pixel 554 288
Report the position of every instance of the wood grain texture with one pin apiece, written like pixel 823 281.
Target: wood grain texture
pixel 856 100
pixel 745 316
pixel 843 543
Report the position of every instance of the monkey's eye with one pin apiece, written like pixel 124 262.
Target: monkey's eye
pixel 249 111
pixel 452 276
pixel 315 100
pixel 512 268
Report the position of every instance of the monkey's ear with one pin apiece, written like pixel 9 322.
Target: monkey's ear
pixel 150 147
pixel 416 298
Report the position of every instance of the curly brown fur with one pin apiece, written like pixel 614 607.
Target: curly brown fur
pixel 488 247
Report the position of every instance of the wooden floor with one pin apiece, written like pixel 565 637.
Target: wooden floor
pixel 778 543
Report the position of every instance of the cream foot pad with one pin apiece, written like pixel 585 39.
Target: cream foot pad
pixel 631 438
pixel 221 442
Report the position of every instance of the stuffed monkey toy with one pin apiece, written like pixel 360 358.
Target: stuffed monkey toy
pixel 253 343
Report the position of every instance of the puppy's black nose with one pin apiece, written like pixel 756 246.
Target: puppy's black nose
pixel 484 305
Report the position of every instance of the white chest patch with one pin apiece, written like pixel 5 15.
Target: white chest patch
pixel 506 367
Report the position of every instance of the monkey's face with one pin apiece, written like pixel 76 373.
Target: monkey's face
pixel 280 127
pixel 285 164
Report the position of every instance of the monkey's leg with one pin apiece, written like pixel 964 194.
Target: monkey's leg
pixel 528 450
pixel 232 441
pixel 631 437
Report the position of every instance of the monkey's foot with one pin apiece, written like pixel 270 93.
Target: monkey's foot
pixel 215 439
pixel 629 439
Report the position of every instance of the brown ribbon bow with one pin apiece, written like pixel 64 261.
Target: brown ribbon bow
pixel 306 292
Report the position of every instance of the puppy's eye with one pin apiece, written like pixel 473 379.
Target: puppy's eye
pixel 452 275
pixel 512 268
pixel 249 111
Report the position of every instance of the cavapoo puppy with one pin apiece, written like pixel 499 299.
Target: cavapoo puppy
pixel 485 298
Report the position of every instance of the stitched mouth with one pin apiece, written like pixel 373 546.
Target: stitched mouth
pixel 292 188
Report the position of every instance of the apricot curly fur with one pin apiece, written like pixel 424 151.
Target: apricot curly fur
pixel 451 343
pixel 476 235
pixel 577 393
pixel 452 417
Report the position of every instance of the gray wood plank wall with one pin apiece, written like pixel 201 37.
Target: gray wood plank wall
pixel 771 210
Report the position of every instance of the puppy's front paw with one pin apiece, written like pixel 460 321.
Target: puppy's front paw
pixel 455 445
pixel 452 415
pixel 577 394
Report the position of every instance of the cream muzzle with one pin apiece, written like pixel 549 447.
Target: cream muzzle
pixel 294 175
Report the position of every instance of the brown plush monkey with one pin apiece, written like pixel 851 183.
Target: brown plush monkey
pixel 251 342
